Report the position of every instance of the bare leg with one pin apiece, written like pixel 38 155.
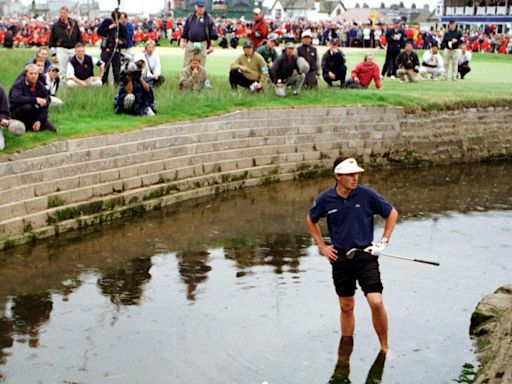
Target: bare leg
pixel 379 318
pixel 347 316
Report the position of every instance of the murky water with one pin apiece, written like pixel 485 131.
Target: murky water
pixel 231 290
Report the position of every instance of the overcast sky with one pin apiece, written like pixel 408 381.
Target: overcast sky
pixel 152 6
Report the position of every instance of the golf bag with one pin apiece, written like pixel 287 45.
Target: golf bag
pixel 234 42
pixel 223 43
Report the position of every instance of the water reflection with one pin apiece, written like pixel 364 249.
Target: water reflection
pixel 125 285
pixel 193 268
pixel 341 374
pixel 259 227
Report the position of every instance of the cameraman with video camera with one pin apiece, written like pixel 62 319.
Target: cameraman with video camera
pixel 114 38
pixel 135 96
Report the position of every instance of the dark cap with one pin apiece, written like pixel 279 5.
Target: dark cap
pixel 451 21
pixel 335 42
pixel 200 3
pixel 248 44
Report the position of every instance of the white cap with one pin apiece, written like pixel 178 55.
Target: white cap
pixel 348 166
pixel 307 33
pixel 256 11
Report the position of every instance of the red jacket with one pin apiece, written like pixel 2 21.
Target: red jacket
pixel 258 33
pixel 365 72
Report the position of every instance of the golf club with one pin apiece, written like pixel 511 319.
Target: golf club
pixel 351 253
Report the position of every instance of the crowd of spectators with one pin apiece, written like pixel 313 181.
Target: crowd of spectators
pixel 27 32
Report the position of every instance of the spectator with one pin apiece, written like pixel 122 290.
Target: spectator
pixel 199 34
pixel 432 64
pixel 152 68
pixel 114 39
pixel 408 64
pixel 65 34
pixel 464 59
pixel 395 38
pixel 267 50
pixel 42 52
pixel 249 70
pixel 451 41
pixel 80 71
pixel 194 76
pixel 364 73
pixel 135 96
pixel 29 101
pixel 309 54
pixel 123 19
pixel 259 30
pixel 52 82
pixel 285 71
pixel 15 127
pixel 333 65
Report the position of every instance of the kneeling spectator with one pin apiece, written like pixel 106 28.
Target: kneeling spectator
pixel 249 70
pixel 408 64
pixel 333 65
pixel 432 64
pixel 135 96
pixel 80 71
pixel 285 71
pixel 194 76
pixel 152 69
pixel 52 82
pixel 364 73
pixel 15 127
pixel 29 101
pixel 464 59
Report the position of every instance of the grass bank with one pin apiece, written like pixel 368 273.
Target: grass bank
pixel 90 111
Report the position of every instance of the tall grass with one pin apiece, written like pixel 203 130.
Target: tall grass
pixel 90 111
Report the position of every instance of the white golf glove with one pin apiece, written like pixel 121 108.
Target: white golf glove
pixel 376 248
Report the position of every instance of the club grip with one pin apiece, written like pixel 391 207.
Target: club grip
pixel 427 262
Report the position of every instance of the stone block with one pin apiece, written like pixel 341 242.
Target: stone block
pixel 36 204
pixel 102 190
pixel 150 179
pixel 109 175
pixel 133 183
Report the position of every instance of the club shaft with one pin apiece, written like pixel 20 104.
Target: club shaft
pixel 411 259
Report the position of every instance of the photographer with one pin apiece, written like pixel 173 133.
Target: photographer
pixel 135 96
pixel 114 38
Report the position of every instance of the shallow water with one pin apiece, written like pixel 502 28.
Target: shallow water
pixel 231 290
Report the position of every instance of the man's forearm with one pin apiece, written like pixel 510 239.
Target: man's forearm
pixel 390 224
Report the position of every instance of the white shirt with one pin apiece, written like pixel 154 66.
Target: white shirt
pixel 431 59
pixel 70 70
pixel 465 57
pixel 152 61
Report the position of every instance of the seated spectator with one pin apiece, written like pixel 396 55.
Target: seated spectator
pixel 52 82
pixel 285 71
pixel 194 76
pixel 29 101
pixel 364 72
pixel 249 70
pixel 432 64
pixel 267 50
pixel 15 127
pixel 80 71
pixel 135 96
pixel 408 64
pixel 42 52
pixel 464 59
pixel 333 65
pixel 152 69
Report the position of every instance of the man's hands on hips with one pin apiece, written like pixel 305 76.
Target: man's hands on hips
pixel 329 252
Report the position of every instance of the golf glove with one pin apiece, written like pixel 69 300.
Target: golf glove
pixel 376 248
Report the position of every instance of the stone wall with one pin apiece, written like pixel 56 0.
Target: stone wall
pixel 77 183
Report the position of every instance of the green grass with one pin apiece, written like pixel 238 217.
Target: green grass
pixel 90 111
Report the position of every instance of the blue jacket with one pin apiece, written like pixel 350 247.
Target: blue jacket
pixel 20 95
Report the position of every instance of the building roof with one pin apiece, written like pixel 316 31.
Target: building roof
pixel 297 4
pixel 363 15
pixel 425 17
pixel 327 6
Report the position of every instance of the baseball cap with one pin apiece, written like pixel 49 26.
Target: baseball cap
pixel 201 3
pixel 307 33
pixel 348 166
pixel 272 36
pixel 397 20
pixel 248 43
pixel 256 11
pixel 289 45
pixel 53 68
pixel 335 42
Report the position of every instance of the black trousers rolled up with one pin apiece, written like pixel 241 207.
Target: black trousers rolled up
pixel 236 78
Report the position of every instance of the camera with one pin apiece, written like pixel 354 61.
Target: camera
pixel 130 68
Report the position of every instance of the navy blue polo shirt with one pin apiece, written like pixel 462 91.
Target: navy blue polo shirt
pixel 350 220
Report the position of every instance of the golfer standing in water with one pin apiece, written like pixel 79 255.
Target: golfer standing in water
pixel 350 209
